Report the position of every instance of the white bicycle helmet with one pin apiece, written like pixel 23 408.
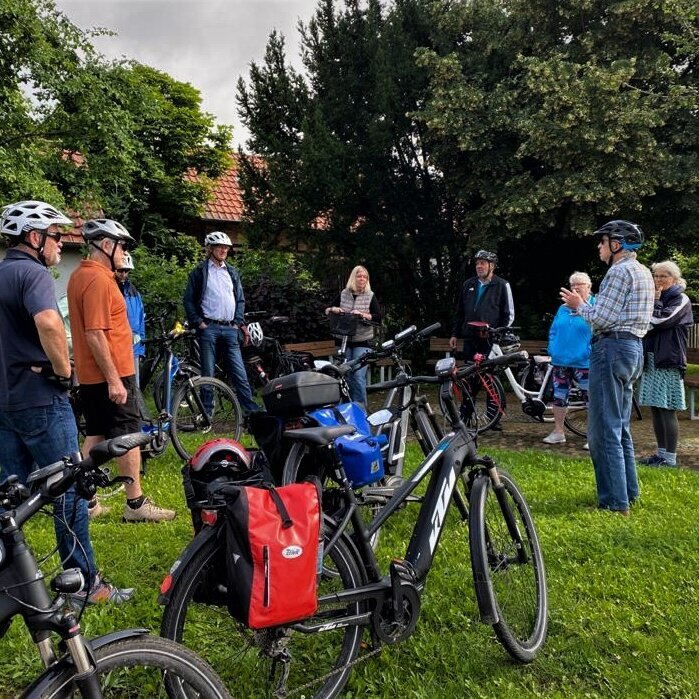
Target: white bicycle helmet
pixel 219 450
pixel 255 333
pixel 105 228
pixel 217 238
pixel 126 261
pixel 31 215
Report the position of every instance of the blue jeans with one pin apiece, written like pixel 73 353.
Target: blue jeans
pixel 357 379
pixel 614 366
pixel 228 338
pixel 34 438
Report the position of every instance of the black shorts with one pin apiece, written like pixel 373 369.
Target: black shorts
pixel 104 417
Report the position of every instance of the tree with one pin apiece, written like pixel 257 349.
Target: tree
pixel 83 131
pixel 345 166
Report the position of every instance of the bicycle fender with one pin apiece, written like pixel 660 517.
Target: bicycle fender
pixel 38 687
pixel 182 562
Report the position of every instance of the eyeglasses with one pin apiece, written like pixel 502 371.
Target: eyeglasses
pixel 55 236
pixel 122 271
pixel 576 285
pixel 662 276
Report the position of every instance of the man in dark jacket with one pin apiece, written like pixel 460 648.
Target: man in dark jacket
pixel 215 305
pixel 485 298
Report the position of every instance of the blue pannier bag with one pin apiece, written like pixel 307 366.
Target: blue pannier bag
pixel 360 453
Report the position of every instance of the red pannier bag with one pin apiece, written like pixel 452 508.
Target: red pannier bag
pixel 272 543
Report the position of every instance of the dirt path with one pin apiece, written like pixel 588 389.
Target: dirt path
pixel 519 432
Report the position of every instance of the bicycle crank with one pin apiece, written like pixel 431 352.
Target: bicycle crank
pixel 534 408
pixel 397 617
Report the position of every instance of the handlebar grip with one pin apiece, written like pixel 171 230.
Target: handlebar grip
pixel 403 334
pixel 426 332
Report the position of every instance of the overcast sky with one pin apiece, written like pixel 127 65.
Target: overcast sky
pixel 208 43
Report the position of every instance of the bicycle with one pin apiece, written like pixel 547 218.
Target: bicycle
pixel 314 657
pixel 123 663
pixel 195 408
pixel 264 356
pixel 534 389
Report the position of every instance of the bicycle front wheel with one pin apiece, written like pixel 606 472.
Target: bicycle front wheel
pixel 482 400
pixel 251 663
pixel 508 567
pixel 144 666
pixel 203 409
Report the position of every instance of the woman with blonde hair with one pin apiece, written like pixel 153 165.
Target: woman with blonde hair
pixel 661 385
pixel 358 298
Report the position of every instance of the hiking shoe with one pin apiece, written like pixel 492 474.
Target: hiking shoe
pixel 650 460
pixel 97 509
pixel 102 592
pixel 555 438
pixel 147 512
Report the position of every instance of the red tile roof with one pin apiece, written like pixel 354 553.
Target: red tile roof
pixel 226 200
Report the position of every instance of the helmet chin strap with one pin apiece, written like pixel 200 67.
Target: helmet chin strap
pixel 39 249
pixel 109 256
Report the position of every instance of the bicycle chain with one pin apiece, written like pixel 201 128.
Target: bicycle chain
pixel 317 680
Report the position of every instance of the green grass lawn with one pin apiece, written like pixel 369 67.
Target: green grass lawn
pixel 624 617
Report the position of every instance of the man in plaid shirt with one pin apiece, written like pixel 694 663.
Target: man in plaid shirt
pixel 619 320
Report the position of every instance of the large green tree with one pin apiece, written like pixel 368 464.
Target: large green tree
pixel 88 132
pixel 346 165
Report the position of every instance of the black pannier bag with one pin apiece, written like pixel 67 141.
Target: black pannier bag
pixel 272 552
pixel 297 393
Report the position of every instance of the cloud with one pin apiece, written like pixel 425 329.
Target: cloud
pixel 208 43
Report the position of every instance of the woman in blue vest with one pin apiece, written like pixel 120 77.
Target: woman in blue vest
pixel 358 298
pixel 570 339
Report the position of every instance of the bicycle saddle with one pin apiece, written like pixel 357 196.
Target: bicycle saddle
pixel 319 436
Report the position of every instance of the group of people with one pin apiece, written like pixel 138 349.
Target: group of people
pixel 635 329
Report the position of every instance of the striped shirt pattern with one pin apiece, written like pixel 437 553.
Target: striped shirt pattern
pixel 625 299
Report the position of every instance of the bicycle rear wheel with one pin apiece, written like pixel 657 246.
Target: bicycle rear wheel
pixel 482 400
pixel 249 662
pixel 143 666
pixel 204 408
pixel 576 417
pixel 508 567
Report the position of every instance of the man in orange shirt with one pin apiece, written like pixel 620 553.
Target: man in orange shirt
pixel 103 351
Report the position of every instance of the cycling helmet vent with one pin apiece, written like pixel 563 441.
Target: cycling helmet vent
pixel 105 228
pixel 31 215
pixel 217 238
pixel 628 234
pixel 255 333
pixel 487 256
pixel 220 450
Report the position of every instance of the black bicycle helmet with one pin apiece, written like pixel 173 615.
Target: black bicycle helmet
pixel 628 234
pixel 487 256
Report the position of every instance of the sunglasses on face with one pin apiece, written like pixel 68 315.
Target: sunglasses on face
pixel 55 236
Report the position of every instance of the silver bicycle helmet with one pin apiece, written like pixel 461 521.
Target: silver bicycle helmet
pixel 487 256
pixel 217 238
pixel 98 228
pixel 126 261
pixel 26 216
pixel 255 333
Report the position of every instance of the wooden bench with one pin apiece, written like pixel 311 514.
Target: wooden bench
pixel 440 346
pixel 320 349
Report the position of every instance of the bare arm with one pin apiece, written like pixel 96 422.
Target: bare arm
pixel 52 336
pixel 97 342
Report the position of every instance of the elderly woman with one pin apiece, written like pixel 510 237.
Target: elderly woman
pixel 358 298
pixel 569 346
pixel 661 385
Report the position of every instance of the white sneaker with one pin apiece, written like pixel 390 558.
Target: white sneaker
pixel 555 438
pixel 586 446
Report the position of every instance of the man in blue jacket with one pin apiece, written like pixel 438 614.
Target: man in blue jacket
pixel 215 305
pixel 134 310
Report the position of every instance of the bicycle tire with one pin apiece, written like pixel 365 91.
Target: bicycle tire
pixel 190 427
pixel 515 589
pixel 576 419
pixel 153 667
pixel 197 614
pixel 483 411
